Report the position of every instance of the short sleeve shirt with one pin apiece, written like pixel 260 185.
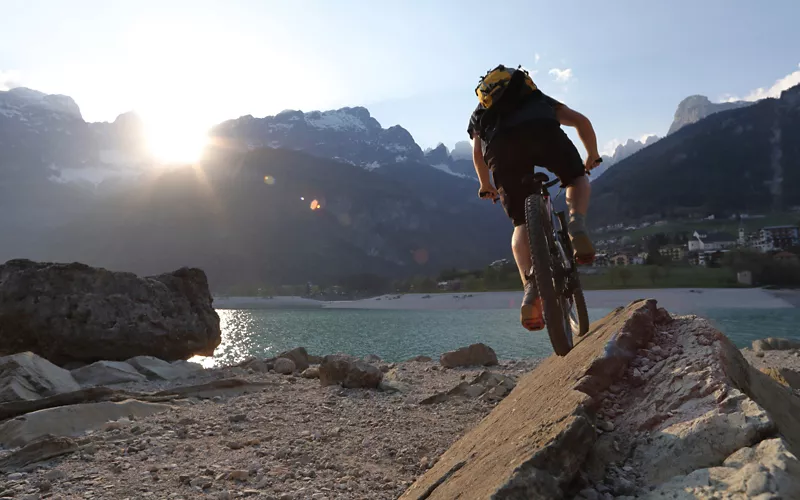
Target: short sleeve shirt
pixel 542 106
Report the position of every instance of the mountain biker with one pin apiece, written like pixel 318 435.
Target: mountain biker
pixel 519 129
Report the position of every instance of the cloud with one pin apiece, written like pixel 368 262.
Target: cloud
pixel 561 75
pixel 779 86
pixel 9 79
pixel 536 58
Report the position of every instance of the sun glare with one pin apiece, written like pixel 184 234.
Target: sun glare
pixel 176 142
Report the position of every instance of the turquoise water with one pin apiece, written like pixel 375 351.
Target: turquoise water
pixel 399 335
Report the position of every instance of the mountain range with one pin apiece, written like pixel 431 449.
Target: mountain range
pixel 320 195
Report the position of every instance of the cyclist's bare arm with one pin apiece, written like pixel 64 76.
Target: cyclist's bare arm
pixel 571 118
pixel 481 168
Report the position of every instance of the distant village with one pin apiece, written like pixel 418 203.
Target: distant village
pixel 702 248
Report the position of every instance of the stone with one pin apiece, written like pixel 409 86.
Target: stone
pixel 775 344
pixel 605 425
pixel 74 312
pixel 158 369
pixel 106 373
pixel 372 358
pixel 420 359
pixel 298 355
pixel 473 355
pixel 311 372
pixel 43 449
pixel 202 482
pixel 71 420
pixel 349 372
pixel 27 377
pixel 238 475
pixel 284 366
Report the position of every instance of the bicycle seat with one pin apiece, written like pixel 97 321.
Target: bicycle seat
pixel 537 178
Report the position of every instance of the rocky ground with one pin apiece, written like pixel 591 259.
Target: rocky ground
pixel 250 431
pixel 290 438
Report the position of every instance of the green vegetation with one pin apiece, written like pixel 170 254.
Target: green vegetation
pixel 688 227
pixel 659 277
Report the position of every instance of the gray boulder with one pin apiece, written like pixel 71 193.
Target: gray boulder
pixel 106 373
pixel 775 344
pixel 74 312
pixel 474 355
pixel 298 355
pixel 284 366
pixel 27 377
pixel 349 372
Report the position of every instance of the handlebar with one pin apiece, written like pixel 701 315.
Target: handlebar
pixel 548 184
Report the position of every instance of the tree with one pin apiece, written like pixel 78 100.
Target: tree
pixel 625 274
pixel 655 273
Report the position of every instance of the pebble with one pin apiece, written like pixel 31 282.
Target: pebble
pixel 202 482
pixel 605 425
pixel 54 475
pixel 16 476
pixel 238 475
pixel 241 417
pixel 590 494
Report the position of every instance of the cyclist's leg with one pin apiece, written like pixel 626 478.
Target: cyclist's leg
pixel 510 159
pixel 559 156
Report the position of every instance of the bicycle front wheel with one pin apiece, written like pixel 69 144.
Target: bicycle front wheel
pixel 540 236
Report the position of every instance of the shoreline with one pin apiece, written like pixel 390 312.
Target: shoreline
pixel 680 300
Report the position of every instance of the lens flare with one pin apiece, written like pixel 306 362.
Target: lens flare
pixel 315 205
pixel 269 180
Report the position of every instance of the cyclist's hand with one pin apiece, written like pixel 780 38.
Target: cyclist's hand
pixel 592 162
pixel 487 191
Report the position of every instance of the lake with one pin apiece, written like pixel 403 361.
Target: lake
pixel 396 335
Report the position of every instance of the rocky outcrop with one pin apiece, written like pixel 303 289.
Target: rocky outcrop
pixel 644 404
pixel 349 372
pixel 26 376
pixel 73 312
pixel 473 355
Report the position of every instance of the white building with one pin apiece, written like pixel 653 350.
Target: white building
pixel 711 242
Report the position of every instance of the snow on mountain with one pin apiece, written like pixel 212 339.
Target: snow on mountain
pixel 348 134
pixel 14 102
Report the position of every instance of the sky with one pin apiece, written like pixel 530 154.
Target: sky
pixel 186 65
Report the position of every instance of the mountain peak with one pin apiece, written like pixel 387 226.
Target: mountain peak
pixel 19 98
pixel 696 107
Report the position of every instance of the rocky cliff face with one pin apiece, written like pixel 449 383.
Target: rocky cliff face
pixel 351 135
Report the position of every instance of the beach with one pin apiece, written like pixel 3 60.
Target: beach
pixel 679 300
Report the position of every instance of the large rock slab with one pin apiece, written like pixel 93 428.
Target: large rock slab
pixel 299 356
pixel 640 407
pixel 71 421
pixel 26 377
pixel 158 369
pixel 349 372
pixel 106 373
pixel 74 312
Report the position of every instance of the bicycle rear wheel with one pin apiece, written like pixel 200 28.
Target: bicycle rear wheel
pixel 540 236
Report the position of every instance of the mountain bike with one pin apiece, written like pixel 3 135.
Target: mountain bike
pixel 554 266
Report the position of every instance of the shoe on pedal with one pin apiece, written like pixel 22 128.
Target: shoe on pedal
pixel 531 312
pixel 584 250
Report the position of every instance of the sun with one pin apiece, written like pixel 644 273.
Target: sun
pixel 175 141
